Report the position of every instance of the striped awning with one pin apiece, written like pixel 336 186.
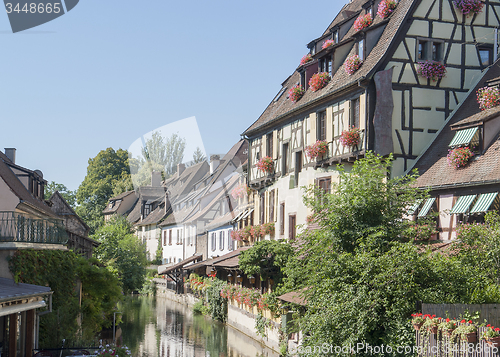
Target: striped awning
pixel 484 202
pixel 463 137
pixel 413 208
pixel 427 206
pixel 463 204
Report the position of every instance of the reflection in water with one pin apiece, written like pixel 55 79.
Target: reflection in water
pixel 162 328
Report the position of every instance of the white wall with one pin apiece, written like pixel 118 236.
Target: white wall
pixel 172 250
pixel 214 246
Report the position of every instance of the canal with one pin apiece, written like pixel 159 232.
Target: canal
pixel 158 327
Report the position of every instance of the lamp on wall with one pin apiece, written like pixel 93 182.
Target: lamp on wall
pixel 239 278
pixel 230 277
pixel 251 278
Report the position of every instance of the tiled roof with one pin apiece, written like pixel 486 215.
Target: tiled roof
pixel 341 80
pixel 478 118
pixel 177 217
pixel 213 261
pixel 9 290
pixel 433 166
pixel 166 270
pixel 118 200
pixel 294 297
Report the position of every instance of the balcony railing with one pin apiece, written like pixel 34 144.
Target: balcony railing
pixel 20 228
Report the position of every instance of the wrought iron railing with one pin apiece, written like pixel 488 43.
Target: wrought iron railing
pixel 21 228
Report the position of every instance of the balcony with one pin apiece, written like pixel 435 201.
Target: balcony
pixel 21 228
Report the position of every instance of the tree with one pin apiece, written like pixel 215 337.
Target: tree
pixel 121 251
pixel 198 156
pixel 68 195
pixel 104 171
pixel 164 152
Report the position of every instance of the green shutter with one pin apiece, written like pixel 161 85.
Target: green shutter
pixel 484 202
pixel 463 204
pixel 427 206
pixel 463 137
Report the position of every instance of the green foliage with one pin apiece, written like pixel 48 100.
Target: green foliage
pixel 68 195
pixel 199 308
pixel 198 156
pixel 266 258
pixel 159 253
pixel 103 172
pixel 261 324
pixel 61 270
pixel 217 305
pixel 121 251
pixel 163 152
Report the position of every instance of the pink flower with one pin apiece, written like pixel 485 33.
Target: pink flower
pixel 352 64
pixel 305 59
pixel 327 44
pixel 362 22
pixel 319 80
pixel 469 7
pixel 295 93
pixel 386 7
pixel 431 70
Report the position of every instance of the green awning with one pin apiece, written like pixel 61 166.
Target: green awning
pixel 484 202
pixel 463 204
pixel 413 208
pixel 427 206
pixel 463 137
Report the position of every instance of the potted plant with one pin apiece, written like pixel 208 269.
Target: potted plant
pixel 386 7
pixel 295 93
pixel 305 59
pixel 467 331
pixel 352 64
pixel 319 80
pixel 432 70
pixel 317 149
pixel 448 326
pixel 492 336
pixel 469 7
pixel 327 43
pixel 488 97
pixel 363 22
pixel 350 137
pixel 417 321
pixel 266 164
pixel 459 157
pixel 431 323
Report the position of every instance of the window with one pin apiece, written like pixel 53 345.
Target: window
pixel 436 51
pixel 321 126
pixel 229 241
pixel 336 36
pixel 271 206
pixel 325 184
pixel 298 166
pixel 164 237
pixel 147 209
pixel 291 226
pixel 361 49
pixel 429 49
pixel 284 160
pixel 422 50
pixel 355 114
pixel 262 207
pixel 169 237
pixel 269 142
pixel 282 218
pixel 485 55
pixel 280 93
pixel 221 240
pixel 325 64
pixel 214 242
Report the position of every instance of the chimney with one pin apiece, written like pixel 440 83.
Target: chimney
pixel 155 178
pixel 11 154
pixel 214 163
pixel 180 169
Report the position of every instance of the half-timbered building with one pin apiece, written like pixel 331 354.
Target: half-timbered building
pixel 394 104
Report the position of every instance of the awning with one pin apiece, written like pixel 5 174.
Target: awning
pixel 463 204
pixel 427 206
pixel 414 207
pixel 165 270
pixel 484 202
pixel 247 214
pixel 463 137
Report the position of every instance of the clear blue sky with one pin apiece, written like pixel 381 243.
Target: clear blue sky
pixel 108 72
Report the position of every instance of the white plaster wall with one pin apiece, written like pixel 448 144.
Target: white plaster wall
pixel 174 253
pixel 218 251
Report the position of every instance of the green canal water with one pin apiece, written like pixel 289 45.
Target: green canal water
pixel 158 327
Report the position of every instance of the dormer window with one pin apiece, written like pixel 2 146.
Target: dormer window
pixel 360 49
pixel 336 36
pixel 466 137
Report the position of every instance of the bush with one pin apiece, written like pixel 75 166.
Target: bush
pixel 217 305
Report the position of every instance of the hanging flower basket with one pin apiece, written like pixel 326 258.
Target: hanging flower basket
pixel 488 97
pixel 431 70
pixel 352 64
pixel 240 191
pixel 459 157
pixel 386 7
pixel 350 138
pixel 469 7
pixel 295 93
pixel 266 164
pixel 319 80
pixel 317 149
pixel 327 43
pixel 363 22
pixel 305 59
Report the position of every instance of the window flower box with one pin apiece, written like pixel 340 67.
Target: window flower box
pixel 459 157
pixel 317 149
pixel 352 64
pixel 327 43
pixel 417 321
pixel 350 138
pixel 319 81
pixel 492 336
pixel 488 97
pixel 307 58
pixel 431 70
pixel 295 93
pixel 266 164
pixel 469 7
pixel 253 232
pixel 386 7
pixel 363 22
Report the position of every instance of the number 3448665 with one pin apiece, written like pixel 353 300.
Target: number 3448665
pixel 33 8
